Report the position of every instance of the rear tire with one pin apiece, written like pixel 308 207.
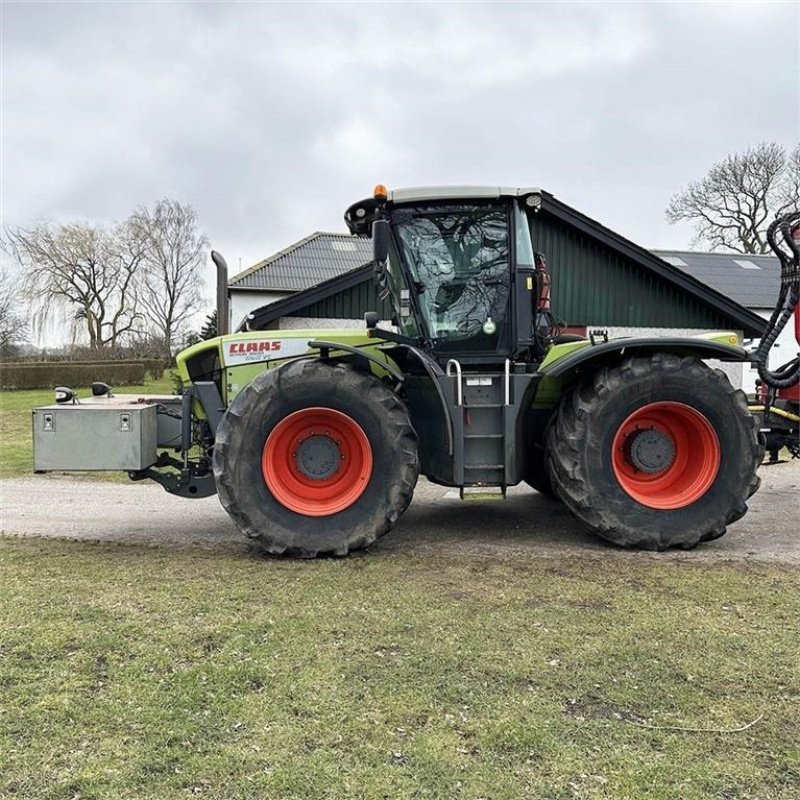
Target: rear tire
pixel 655 453
pixel 314 458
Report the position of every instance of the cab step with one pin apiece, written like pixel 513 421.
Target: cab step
pixel 483 493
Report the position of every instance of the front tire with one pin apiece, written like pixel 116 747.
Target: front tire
pixel 314 458
pixel 656 453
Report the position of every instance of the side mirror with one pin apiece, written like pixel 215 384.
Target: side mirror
pixel 380 241
pixel 65 395
pixel 100 389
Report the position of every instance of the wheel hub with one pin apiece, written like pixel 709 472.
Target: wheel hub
pixel 317 461
pixel 666 455
pixel 650 451
pixel 318 457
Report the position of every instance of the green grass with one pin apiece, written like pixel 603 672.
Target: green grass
pixel 139 673
pixel 16 448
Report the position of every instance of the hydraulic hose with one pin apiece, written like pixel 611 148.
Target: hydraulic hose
pixel 779 411
pixel 783 236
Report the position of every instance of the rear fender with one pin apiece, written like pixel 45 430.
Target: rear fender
pixel 723 347
pixel 566 364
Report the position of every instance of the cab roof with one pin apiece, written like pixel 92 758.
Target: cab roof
pixel 420 193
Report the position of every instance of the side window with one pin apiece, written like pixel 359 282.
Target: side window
pixel 401 297
pixel 524 243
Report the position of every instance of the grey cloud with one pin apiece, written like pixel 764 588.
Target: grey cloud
pixel 271 118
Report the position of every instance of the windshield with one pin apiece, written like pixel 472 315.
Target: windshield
pixel 459 259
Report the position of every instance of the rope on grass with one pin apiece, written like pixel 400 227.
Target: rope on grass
pixel 695 730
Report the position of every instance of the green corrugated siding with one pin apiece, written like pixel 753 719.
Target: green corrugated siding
pixel 349 304
pixel 593 285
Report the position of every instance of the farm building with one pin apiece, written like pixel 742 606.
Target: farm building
pixel 600 281
pixel 752 281
pixel 299 267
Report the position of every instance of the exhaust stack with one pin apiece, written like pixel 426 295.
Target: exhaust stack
pixel 222 293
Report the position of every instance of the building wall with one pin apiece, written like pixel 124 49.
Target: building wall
pixel 592 281
pixel 350 303
pixel 314 323
pixel 241 303
pixel 785 349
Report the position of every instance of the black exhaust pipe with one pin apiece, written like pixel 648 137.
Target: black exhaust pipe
pixel 222 293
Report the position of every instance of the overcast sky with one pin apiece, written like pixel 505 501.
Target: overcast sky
pixel 271 118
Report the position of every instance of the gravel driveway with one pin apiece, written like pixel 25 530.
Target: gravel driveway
pixel 525 524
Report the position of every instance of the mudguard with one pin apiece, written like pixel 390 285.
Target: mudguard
pixel 562 359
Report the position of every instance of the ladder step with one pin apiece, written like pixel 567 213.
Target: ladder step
pixel 483 493
pixel 483 405
pixel 484 466
pixel 483 435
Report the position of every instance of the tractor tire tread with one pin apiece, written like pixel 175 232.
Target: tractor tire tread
pixel 569 433
pixel 265 390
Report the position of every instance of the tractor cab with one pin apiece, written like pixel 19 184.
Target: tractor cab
pixel 459 266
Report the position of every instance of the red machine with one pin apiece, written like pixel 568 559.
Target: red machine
pixel 777 401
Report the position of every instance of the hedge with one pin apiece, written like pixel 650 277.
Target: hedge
pixel 154 367
pixel 49 374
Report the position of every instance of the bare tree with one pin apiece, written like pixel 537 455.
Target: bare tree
pixel 85 272
pixel 170 292
pixel 734 203
pixel 13 320
pixel 789 197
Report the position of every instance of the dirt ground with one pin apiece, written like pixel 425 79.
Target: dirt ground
pixel 524 525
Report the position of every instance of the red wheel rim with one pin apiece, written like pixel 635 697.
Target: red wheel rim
pixel 317 461
pixel 666 455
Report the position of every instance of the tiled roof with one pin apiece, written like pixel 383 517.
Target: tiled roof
pixel 306 263
pixel 752 281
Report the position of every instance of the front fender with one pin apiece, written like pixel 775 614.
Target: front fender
pixel 577 355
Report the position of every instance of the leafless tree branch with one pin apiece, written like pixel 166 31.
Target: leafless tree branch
pixel 13 320
pixel 174 250
pixel 84 272
pixel 731 206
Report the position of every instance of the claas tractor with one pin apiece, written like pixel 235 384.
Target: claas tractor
pixel 314 440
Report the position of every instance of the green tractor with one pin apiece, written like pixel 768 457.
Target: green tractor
pixel 314 440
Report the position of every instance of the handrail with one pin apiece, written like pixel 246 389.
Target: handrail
pixel 508 382
pixel 459 393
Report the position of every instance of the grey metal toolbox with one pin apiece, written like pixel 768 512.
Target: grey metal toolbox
pixel 109 433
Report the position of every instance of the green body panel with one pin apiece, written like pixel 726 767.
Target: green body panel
pixel 559 351
pixel 243 356
pixel 191 352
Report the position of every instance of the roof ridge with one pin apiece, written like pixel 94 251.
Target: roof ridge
pixel 708 253
pixel 265 262
pixel 274 257
pixel 343 235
